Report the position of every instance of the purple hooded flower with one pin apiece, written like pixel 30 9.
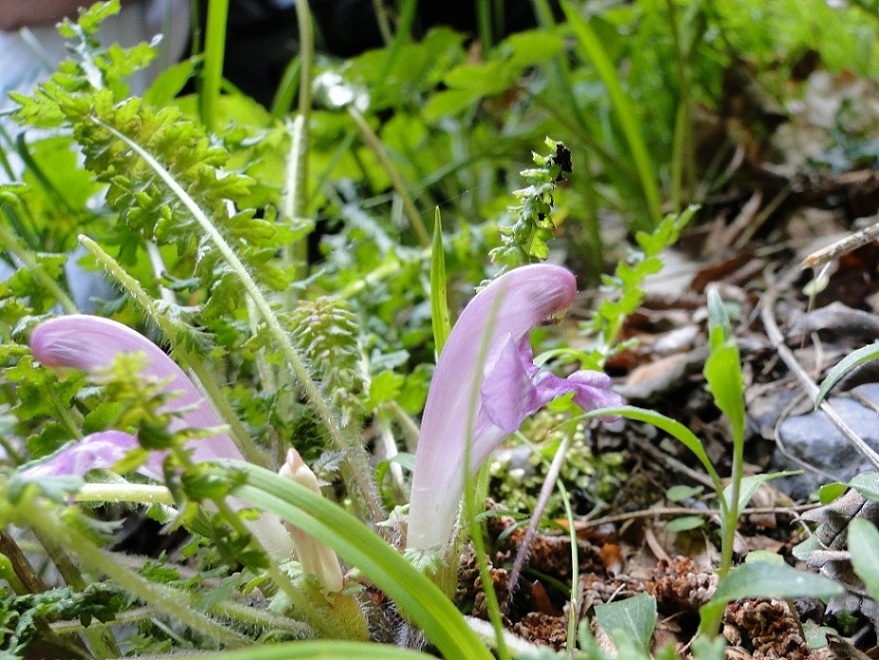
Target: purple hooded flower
pixel 482 409
pixel 90 343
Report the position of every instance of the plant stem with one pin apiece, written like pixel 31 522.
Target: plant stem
pixel 116 492
pixel 731 518
pixel 373 141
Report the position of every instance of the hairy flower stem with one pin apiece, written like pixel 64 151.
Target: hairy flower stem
pixel 249 449
pixel 168 600
pixel 124 492
pixel 354 451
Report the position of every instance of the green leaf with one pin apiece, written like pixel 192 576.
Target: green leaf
pixel 763 579
pixel 760 579
pixel 852 360
pixel 681 492
pixel 384 387
pixel 439 304
pixel 684 523
pixel 723 369
pixel 750 485
pixel 416 596
pixel 867 484
pixel 170 82
pixel 633 619
pixel 829 492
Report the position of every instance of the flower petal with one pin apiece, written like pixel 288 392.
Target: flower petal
pixel 453 415
pixel 90 342
pixel 507 390
pixel 96 451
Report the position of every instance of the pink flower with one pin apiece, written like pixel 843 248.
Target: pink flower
pixel 90 343
pixel 482 401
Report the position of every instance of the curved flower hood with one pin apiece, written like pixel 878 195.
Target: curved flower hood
pixel 484 386
pixel 89 343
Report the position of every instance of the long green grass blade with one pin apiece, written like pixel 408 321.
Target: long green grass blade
pixel 592 50
pixel 439 304
pixel 671 426
pixel 416 596
pixel 214 53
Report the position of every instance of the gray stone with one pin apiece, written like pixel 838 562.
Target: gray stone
pixel 813 439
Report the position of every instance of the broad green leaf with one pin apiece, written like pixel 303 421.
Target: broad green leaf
pixel 763 579
pixel 492 77
pixel 684 523
pixel 706 647
pixel 764 555
pixel 633 619
pixel 852 360
pixel 829 492
pixel 681 492
pixel 418 598
pixel 816 636
pixel 439 304
pixel 170 82
pixel 760 579
pixel 532 47
pixel 863 542
pixel 867 484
